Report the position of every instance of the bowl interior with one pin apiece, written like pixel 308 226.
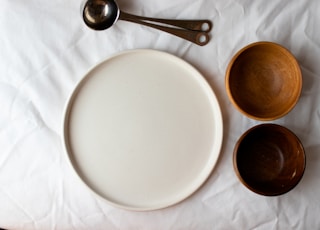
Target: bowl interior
pixel 269 159
pixel 264 81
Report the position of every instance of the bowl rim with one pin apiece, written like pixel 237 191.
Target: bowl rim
pixel 227 80
pixel 235 154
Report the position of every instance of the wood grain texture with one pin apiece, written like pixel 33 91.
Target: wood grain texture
pixel 264 81
pixel 269 159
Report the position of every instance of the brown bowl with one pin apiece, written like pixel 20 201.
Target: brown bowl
pixel 264 81
pixel 269 159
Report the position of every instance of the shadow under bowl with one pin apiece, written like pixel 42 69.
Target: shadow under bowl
pixel 264 81
pixel 269 159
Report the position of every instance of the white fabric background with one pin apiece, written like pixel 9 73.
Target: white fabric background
pixel 45 48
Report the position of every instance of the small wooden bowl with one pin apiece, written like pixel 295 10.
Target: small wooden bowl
pixel 264 81
pixel 269 159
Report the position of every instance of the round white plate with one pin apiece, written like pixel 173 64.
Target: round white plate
pixel 143 130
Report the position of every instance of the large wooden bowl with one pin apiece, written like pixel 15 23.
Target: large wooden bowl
pixel 263 81
pixel 269 159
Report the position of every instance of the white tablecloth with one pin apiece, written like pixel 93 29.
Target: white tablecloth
pixel 45 49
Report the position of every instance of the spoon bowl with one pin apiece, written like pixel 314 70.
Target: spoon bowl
pixel 100 14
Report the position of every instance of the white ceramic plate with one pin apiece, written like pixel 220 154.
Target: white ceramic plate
pixel 143 130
